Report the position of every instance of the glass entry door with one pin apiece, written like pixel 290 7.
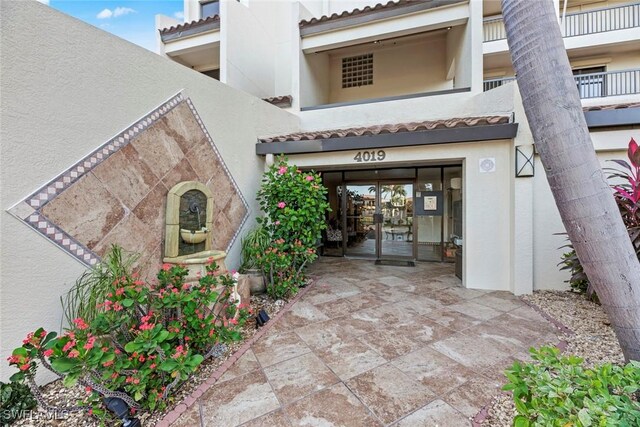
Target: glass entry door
pixel 378 220
pixel 360 232
pixel 396 228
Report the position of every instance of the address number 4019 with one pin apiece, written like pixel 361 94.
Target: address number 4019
pixel 370 156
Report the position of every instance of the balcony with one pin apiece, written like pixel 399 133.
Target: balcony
pixel 418 65
pixel 596 85
pixel 580 23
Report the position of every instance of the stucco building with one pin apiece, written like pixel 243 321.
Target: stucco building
pixel 410 110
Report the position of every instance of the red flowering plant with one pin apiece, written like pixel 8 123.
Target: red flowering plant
pixel 144 340
pixel 625 184
pixel 295 204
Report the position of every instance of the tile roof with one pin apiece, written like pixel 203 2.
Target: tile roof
pixel 612 106
pixel 283 101
pixel 190 25
pixel 392 128
pixel 367 10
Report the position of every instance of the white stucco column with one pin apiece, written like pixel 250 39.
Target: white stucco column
pixel 521 211
pixel 476 38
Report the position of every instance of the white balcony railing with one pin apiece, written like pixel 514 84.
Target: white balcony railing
pixel 596 85
pixel 579 23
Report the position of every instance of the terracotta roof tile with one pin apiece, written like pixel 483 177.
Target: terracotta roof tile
pixel 190 25
pixel 283 101
pixel 391 128
pixel 364 10
pixel 612 106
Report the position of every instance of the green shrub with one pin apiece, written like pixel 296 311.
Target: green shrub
pixel 15 399
pixel 295 204
pixel 255 242
pixel 559 391
pixel 90 289
pixel 625 185
pixel 144 341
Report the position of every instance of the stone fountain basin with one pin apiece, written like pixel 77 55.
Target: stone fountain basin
pixel 194 236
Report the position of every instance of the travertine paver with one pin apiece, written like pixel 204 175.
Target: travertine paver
pixel 372 345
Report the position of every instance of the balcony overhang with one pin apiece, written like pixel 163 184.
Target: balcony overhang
pixel 613 115
pixel 199 42
pixel 415 17
pixel 469 129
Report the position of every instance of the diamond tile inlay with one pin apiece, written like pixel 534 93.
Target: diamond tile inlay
pixel 84 222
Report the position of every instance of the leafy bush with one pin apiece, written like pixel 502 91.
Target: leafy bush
pixel 625 185
pixel 578 281
pixel 15 399
pixel 83 298
pixel 560 391
pixel 295 204
pixel 255 242
pixel 144 339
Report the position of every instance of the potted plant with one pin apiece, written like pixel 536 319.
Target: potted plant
pixel 254 243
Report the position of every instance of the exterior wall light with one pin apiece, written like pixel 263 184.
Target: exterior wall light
pixel 525 162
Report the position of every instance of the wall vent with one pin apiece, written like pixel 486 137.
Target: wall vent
pixel 357 70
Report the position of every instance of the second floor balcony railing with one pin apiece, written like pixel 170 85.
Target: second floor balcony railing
pixel 580 23
pixel 596 85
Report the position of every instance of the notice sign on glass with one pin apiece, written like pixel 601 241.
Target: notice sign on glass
pixel 431 203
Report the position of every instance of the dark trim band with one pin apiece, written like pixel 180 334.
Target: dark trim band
pixel 387 140
pixel 617 117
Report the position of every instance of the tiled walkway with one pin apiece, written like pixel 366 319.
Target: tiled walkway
pixel 376 345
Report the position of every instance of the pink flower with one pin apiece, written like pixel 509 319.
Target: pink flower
pixel 277 222
pixel 48 353
pixel 73 353
pixel 90 343
pixel 166 267
pixel 281 205
pixel 282 170
pixel 80 324
pixel 68 345
pixel 309 178
pixel 25 367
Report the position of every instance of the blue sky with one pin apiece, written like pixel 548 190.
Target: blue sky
pixel 131 20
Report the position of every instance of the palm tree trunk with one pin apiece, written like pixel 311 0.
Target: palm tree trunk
pixel 584 199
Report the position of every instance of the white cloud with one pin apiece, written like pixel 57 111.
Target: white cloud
pixel 44 2
pixel 118 11
pixel 106 13
pixel 178 15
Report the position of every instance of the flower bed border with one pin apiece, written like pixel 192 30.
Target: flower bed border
pixel 191 399
pixel 479 418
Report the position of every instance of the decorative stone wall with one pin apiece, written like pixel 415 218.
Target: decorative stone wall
pixel 117 194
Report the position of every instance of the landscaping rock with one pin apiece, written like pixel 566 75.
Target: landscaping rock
pixel 592 339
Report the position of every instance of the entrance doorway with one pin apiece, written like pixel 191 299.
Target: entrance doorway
pixel 396 214
pixel 378 219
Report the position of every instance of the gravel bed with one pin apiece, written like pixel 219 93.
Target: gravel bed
pixel 58 395
pixel 593 340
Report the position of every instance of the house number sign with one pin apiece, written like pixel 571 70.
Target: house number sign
pixel 370 156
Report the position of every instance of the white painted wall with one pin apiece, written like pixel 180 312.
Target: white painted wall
pixel 495 102
pixel 191 10
pixel 398 69
pixel 315 81
pixel 67 87
pixel 251 33
pixel 546 219
pixel 486 201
